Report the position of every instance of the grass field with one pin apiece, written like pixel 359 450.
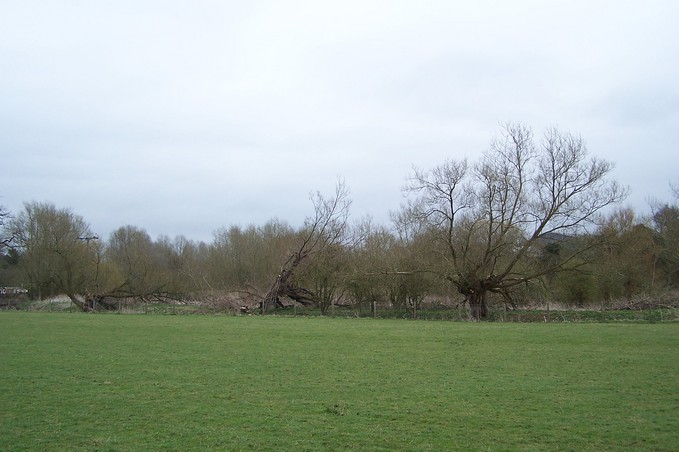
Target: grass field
pixel 140 382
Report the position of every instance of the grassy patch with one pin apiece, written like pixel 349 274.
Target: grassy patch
pixel 112 382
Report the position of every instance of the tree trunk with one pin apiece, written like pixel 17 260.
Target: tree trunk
pixel 81 303
pixel 93 303
pixel 478 310
pixel 272 297
pixel 282 286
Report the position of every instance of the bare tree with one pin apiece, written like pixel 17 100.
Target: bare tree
pixel 5 233
pixel 489 220
pixel 626 264
pixel 249 257
pixel 59 254
pixel 666 223
pixel 324 229
pixel 139 265
pixel 53 245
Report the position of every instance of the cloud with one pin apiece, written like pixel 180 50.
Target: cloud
pixel 184 117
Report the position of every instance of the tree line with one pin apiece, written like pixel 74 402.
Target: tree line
pixel 531 220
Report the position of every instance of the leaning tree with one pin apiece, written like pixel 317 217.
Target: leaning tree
pixel 490 221
pixel 325 229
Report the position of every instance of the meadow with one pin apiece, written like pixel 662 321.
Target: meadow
pixel 164 382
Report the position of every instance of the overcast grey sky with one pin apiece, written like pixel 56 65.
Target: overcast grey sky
pixel 181 117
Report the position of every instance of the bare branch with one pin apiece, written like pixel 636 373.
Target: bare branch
pixel 6 235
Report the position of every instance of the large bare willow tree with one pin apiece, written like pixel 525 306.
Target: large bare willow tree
pixel 321 231
pixel 490 220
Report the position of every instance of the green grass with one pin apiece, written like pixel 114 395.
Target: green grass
pixel 136 382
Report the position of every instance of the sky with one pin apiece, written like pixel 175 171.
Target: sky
pixel 183 117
